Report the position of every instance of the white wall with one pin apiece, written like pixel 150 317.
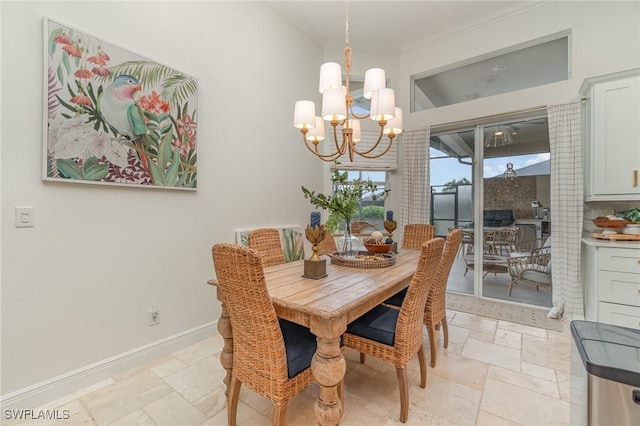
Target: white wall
pixel 76 288
pixel 605 39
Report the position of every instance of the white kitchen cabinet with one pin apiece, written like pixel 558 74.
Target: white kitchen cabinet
pixel 612 282
pixel 612 124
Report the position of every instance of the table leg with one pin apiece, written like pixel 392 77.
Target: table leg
pixel 226 356
pixel 328 367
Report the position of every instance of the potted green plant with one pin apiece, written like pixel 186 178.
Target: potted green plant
pixel 344 203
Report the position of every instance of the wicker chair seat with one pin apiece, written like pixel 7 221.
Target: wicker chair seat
pixel 379 324
pixel 300 345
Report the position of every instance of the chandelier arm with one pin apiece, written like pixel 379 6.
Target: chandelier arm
pixel 340 149
pixel 324 157
pixel 364 153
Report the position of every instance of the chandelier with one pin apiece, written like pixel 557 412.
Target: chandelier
pixel 498 136
pixel 510 173
pixel 337 109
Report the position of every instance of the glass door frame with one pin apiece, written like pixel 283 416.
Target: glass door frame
pixel 478 126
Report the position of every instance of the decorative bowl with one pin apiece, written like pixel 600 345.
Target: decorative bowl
pixel 603 222
pixel 378 248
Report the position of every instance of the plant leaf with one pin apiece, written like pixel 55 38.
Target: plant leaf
pixel 69 168
pixel 96 171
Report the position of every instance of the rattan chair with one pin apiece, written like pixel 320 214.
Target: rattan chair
pixel 327 245
pixel 271 356
pixel 266 241
pixel 534 269
pixel 415 234
pixel 435 313
pixel 396 335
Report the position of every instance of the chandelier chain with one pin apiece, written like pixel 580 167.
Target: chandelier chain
pixel 346 22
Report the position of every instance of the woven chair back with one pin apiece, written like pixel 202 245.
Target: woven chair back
pixel 328 245
pixel 259 358
pixel 435 307
pixel 266 241
pixel 409 326
pixel 415 234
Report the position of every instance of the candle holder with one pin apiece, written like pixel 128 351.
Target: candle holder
pixel 390 226
pixel 314 267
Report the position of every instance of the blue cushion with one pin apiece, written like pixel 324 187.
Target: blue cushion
pixel 397 299
pixel 379 324
pixel 300 346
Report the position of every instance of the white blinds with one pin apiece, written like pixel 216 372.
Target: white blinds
pixel 387 162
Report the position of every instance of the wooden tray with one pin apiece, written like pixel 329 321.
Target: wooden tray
pixel 615 237
pixel 364 260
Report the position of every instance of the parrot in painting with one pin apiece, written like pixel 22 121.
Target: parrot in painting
pixel 120 110
pixel 119 107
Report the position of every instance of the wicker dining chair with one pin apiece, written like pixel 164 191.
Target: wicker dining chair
pixel 396 335
pixel 415 234
pixel 435 313
pixel 266 241
pixel 271 356
pixel 327 245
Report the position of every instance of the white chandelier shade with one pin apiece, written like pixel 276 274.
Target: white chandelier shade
pixel 337 110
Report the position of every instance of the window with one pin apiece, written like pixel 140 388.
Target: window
pixel 371 211
pixel 536 63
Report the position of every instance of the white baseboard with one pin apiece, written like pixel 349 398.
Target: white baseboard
pixel 36 395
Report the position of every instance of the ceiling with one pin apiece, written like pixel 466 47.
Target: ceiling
pixel 393 26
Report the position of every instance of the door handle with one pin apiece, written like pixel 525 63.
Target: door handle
pixel 635 178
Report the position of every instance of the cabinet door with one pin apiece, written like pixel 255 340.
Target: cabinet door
pixel 616 137
pixel 619 287
pixel 620 260
pixel 622 315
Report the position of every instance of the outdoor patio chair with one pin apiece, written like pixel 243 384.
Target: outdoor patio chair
pixel 533 269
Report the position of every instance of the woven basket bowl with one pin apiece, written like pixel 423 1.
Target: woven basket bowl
pixel 378 248
pixel 612 224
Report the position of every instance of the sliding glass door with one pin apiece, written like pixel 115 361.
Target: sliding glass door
pixel 492 181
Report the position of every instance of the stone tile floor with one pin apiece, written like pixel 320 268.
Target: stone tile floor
pixel 493 373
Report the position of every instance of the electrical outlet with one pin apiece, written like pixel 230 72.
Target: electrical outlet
pixel 154 315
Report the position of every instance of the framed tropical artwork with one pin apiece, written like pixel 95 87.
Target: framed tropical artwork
pixel 114 117
pixel 291 239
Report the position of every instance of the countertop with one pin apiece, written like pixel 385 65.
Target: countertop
pixel 594 242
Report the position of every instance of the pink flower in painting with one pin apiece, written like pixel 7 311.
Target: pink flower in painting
pixel 101 71
pixel 154 103
pixel 186 126
pixel 83 73
pixel 63 39
pixel 72 50
pixel 81 100
pixel 182 146
pixel 96 60
pixel 103 55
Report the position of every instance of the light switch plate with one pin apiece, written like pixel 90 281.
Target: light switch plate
pixel 24 216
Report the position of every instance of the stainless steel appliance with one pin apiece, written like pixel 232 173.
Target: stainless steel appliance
pixel 605 374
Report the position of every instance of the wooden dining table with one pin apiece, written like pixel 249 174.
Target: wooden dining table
pixel 326 306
